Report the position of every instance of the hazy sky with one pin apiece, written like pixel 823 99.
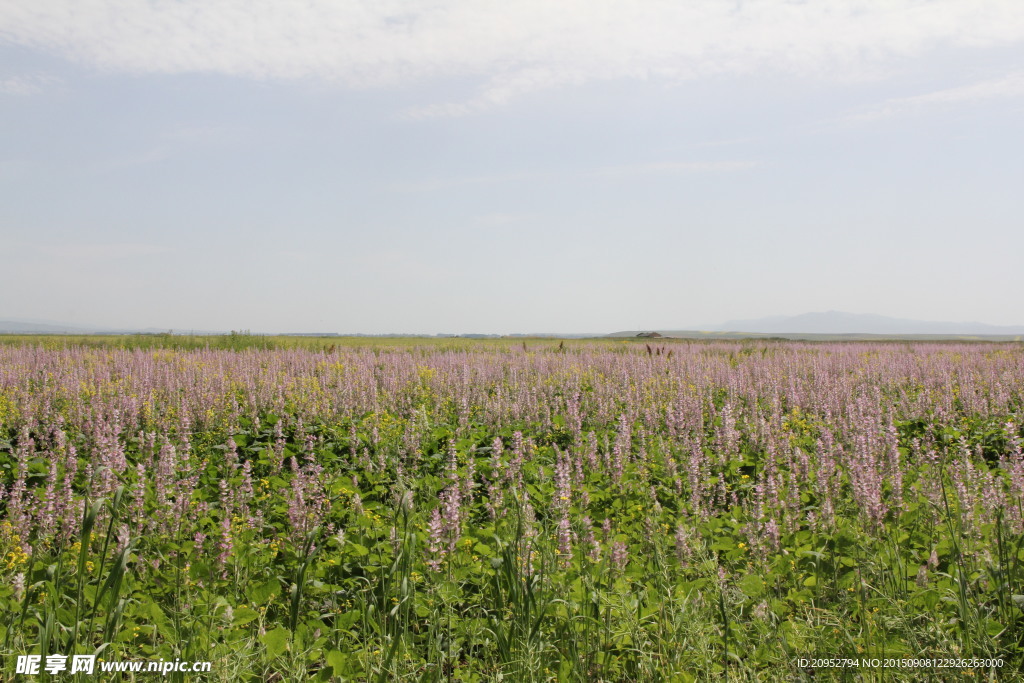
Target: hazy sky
pixel 509 166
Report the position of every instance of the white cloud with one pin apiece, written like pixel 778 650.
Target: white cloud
pixel 503 88
pixel 499 219
pixel 1009 86
pixel 515 46
pixel 435 184
pixel 676 167
pixel 22 85
pixel 110 252
pixel 173 143
pixel 622 170
pixel 89 252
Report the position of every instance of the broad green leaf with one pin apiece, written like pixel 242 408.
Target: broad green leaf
pixel 276 641
pixel 243 615
pixel 264 592
pixel 336 660
pixel 752 585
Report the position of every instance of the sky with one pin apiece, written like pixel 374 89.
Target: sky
pixel 429 166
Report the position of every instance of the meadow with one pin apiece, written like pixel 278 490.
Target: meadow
pixel 464 510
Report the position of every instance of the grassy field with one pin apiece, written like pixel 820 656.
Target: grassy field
pixel 295 508
pixel 241 341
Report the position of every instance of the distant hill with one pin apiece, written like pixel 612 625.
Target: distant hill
pixel 839 326
pixel 824 326
pixel 837 322
pixel 51 327
pixel 22 327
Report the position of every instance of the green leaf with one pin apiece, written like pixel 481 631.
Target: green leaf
pixel 156 614
pixel 264 592
pixel 243 615
pixel 336 660
pixel 752 585
pixel 276 641
pixel 344 621
pixel 927 598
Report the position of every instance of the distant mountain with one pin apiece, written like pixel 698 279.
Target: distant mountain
pixel 23 326
pixel 837 322
pixel 27 327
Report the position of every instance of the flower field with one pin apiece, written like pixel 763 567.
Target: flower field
pixel 607 511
